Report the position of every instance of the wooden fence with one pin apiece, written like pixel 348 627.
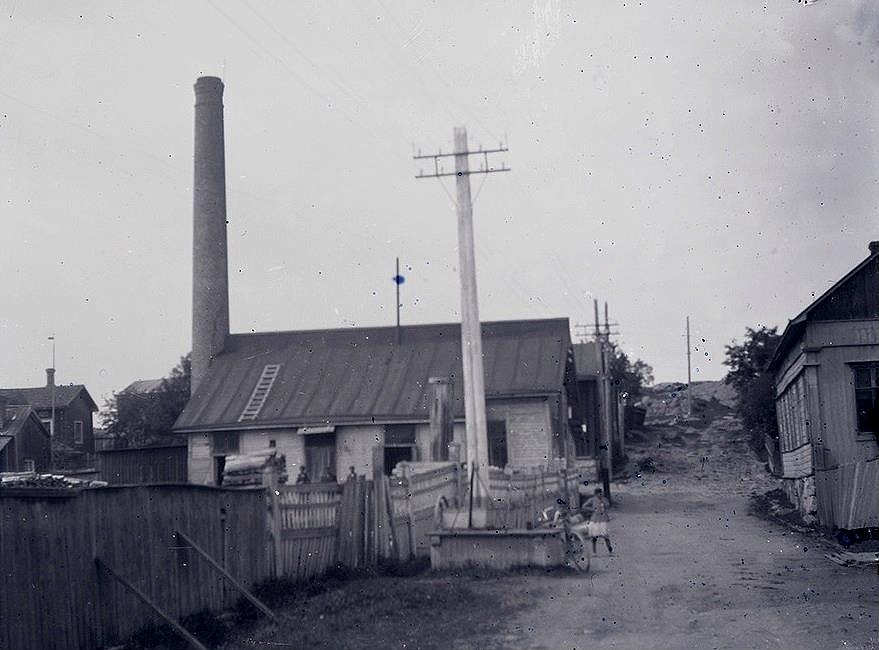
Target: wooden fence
pixel 318 526
pixel 55 596
pixel 143 465
pixel 304 522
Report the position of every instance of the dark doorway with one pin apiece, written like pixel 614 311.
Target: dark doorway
pixel 219 466
pixel 497 443
pixel 320 456
pixel 399 445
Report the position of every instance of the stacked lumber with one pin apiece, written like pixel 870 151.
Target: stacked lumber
pixel 54 481
pixel 255 469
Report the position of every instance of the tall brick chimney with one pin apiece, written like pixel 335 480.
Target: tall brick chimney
pixel 210 282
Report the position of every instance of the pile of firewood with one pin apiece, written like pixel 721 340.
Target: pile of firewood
pixel 33 480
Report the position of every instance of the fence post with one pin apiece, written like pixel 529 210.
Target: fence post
pixel 275 509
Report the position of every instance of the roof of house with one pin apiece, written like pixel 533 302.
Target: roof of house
pixel 866 306
pixel 41 398
pixel 362 375
pixel 586 360
pixel 143 386
pixel 16 417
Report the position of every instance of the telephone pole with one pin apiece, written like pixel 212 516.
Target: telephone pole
pixel 689 377
pixel 52 423
pixel 606 459
pixel 471 332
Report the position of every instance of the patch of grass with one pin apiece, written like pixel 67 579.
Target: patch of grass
pixel 427 612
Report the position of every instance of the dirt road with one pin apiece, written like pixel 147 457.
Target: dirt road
pixel 692 569
pixel 695 572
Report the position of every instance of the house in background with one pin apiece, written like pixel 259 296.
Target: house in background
pixel 325 398
pixel 73 408
pixel 589 423
pixel 24 441
pixel 826 370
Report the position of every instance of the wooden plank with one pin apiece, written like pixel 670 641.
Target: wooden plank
pixel 308 533
pixel 137 592
pixel 253 599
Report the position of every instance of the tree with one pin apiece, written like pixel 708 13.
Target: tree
pixel 630 377
pixel 139 419
pixel 749 375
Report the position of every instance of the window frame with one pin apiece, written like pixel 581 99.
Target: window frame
pixel 873 369
pixel 78 432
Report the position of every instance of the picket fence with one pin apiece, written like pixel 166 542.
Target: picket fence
pixel 360 522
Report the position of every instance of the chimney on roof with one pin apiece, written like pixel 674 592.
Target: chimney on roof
pixel 50 376
pixel 873 246
pixel 210 282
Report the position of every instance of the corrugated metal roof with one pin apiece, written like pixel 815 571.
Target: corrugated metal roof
pixel 355 375
pixel 586 359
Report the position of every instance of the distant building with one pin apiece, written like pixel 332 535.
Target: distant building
pixel 588 419
pixel 24 441
pixel 826 371
pixel 144 387
pixel 325 398
pixel 73 407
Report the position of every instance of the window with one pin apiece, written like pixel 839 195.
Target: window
pixel 866 381
pixel 399 445
pixel 77 432
pixel 226 443
pixel 28 465
pixel 497 443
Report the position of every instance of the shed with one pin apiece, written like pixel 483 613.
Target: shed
pixel 826 374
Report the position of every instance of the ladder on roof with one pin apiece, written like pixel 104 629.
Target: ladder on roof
pixel 260 392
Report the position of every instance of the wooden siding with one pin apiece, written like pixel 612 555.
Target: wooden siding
pixel 856 298
pixel 840 344
pixel 139 466
pixel 68 604
pixel 848 495
pixel 797 463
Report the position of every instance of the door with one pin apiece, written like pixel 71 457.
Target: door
pixel 320 456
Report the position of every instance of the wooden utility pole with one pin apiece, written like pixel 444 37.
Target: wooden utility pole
pixel 398 280
pixel 689 377
pixel 605 460
pixel 471 331
pixel 52 423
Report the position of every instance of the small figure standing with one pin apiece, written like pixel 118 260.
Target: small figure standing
pixel 351 472
pixel 598 519
pixel 302 477
pixel 328 476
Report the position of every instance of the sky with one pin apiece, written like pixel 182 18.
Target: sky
pixel 717 160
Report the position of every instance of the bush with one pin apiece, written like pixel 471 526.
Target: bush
pixel 749 375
